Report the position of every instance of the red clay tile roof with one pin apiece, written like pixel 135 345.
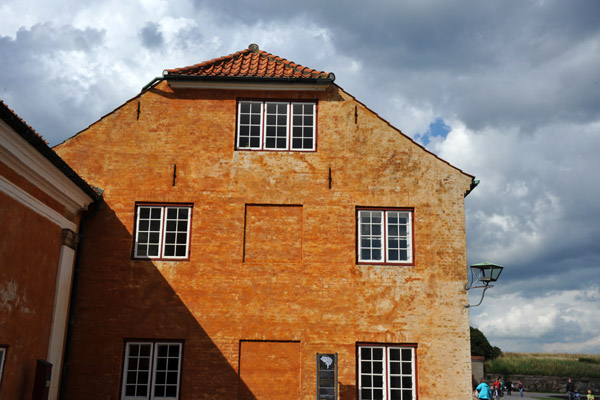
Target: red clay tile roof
pixel 250 63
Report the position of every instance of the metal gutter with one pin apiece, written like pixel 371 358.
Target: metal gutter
pixel 319 81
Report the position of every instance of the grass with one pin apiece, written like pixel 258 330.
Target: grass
pixel 546 364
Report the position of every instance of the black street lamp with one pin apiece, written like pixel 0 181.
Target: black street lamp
pixel 484 274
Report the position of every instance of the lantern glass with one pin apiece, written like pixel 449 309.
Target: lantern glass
pixel 487 272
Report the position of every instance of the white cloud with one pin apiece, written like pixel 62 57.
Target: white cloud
pixel 556 321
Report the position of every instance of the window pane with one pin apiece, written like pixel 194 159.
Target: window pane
pixel 398 232
pixel 177 232
pixel 366 381
pixel 370 228
pixel 159 391
pixel 141 250
pixel 303 126
pixel 153 251
pixel 171 225
pixel 136 369
pixel 249 124
pixel 365 366
pixel 406 368
pixel 148 230
pixel 171 391
pixel 167 369
pixel 376 255
pixel 378 381
pixel 276 126
pixel 130 390
pixel 131 377
pixel 365 353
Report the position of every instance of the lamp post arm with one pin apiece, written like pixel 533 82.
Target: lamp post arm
pixel 485 287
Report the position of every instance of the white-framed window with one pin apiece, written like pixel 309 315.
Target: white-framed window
pixel 385 236
pixel 162 231
pixel 152 370
pixel 386 372
pixel 276 125
pixel 2 361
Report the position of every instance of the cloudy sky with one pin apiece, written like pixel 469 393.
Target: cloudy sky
pixel 508 91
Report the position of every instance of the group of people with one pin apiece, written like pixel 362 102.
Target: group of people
pixel 574 393
pixel 496 389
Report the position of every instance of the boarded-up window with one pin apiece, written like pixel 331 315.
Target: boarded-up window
pixel 269 370
pixel 273 233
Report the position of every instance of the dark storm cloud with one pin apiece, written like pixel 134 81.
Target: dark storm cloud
pixel 507 50
pixel 151 36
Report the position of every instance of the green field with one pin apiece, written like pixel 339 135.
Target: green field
pixel 545 364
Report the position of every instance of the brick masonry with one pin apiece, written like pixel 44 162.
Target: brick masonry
pixel 314 296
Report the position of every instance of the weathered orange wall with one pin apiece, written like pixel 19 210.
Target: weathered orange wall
pixel 29 256
pixel 324 300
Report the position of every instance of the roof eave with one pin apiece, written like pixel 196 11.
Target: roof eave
pixel 248 83
pixel 321 80
pixel 40 145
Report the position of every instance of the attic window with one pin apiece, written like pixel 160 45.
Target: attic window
pixel 276 126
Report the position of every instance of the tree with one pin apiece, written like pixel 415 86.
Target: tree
pixel 481 347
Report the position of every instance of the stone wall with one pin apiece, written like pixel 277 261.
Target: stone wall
pixel 550 383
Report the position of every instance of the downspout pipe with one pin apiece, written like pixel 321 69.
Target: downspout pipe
pixel 82 228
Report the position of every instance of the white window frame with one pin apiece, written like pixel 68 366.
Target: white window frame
pixel 289 126
pixel 162 231
pixel 386 373
pixel 152 372
pixel 2 361
pixel 384 235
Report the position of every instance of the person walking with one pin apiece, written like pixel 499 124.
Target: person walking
pixel 483 390
pixel 521 387
pixel 590 396
pixel 570 389
pixel 509 387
